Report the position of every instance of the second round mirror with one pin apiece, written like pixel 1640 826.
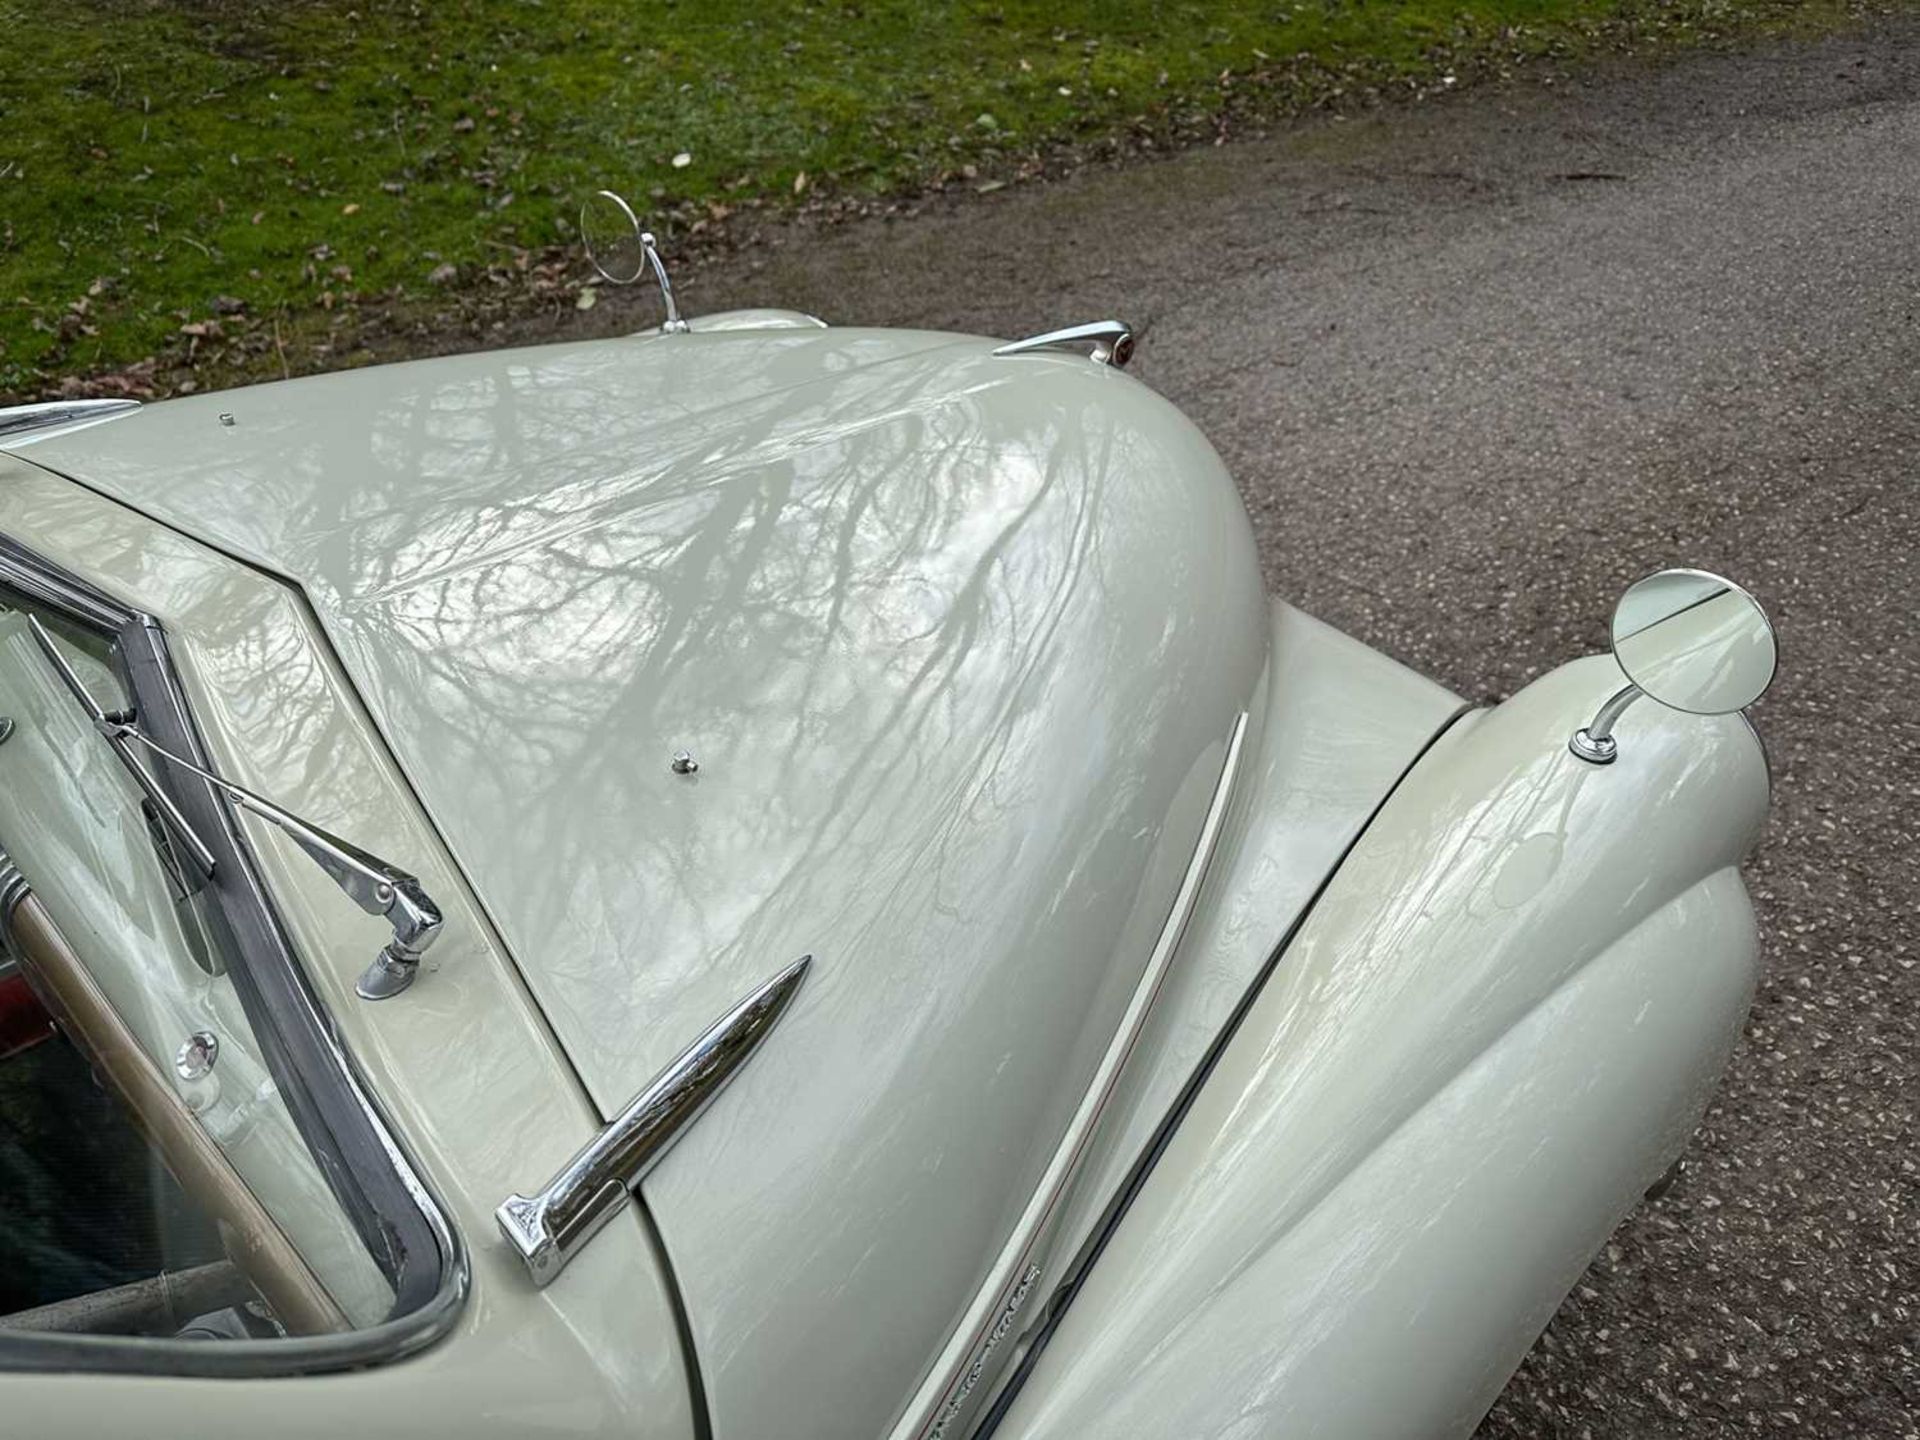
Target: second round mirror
pixel 1694 641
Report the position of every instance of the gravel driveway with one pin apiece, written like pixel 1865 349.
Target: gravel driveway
pixel 1477 365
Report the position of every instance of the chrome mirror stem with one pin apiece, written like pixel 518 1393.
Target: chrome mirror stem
pixel 673 324
pixel 549 1228
pixel 1594 741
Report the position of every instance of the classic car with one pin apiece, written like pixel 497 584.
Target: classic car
pixel 759 879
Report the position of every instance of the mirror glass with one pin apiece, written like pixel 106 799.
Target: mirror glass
pixel 1694 641
pixel 611 232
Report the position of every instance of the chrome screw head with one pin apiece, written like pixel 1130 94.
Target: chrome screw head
pixel 196 1055
pixel 684 763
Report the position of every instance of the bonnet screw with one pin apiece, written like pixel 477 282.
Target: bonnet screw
pixel 684 763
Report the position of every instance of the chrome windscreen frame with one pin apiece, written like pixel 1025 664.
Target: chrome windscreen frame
pixel 404 1226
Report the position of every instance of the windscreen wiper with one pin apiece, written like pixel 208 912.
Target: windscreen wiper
pixel 376 886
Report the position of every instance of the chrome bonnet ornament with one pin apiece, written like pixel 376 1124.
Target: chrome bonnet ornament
pixel 548 1229
pixel 1112 342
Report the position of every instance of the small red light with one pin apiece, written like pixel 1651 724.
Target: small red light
pixel 24 1021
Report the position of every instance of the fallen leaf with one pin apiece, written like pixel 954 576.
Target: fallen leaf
pixel 682 160
pixel 586 299
pixel 800 182
pixel 350 209
pixel 463 124
pixel 443 274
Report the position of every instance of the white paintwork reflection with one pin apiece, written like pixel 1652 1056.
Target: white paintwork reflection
pixel 1496 1027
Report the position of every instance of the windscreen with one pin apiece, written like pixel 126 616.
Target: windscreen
pixel 156 1182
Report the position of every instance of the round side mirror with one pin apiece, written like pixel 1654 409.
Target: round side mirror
pixel 623 252
pixel 611 232
pixel 1694 641
pixel 1691 640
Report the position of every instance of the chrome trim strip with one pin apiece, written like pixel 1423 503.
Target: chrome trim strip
pixel 56 590
pixel 1061 1300
pixel 1112 341
pixel 20 419
pixel 938 1401
pixel 13 889
pixel 548 1229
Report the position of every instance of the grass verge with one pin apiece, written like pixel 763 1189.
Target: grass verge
pixel 200 192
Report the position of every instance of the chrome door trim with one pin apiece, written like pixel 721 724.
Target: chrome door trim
pixel 549 1228
pixel 941 1396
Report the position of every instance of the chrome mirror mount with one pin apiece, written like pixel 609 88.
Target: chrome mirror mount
pixel 1691 640
pixel 622 251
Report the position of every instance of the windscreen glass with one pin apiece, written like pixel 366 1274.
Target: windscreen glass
pixel 155 1180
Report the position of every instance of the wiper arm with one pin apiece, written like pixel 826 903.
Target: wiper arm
pixel 375 885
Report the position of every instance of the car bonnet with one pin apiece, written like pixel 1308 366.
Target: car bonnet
pixel 955 643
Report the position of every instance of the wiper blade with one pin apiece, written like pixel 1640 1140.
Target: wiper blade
pixel 194 847
pixel 375 885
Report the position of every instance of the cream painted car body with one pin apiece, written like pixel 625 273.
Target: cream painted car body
pixel 993 719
